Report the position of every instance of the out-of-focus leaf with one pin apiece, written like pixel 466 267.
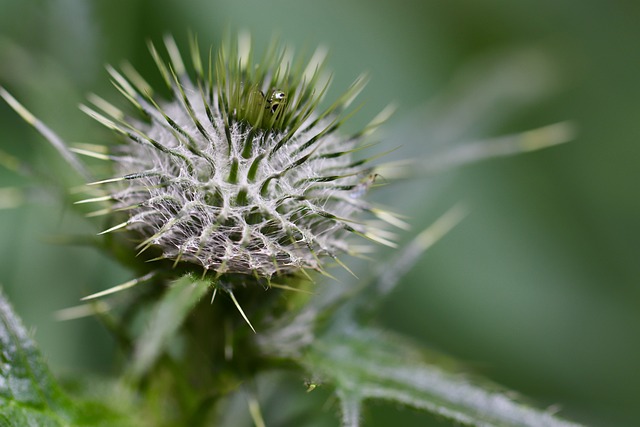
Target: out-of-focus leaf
pixel 10 198
pixel 365 363
pixel 29 395
pixel 165 321
pixel 99 402
pixel 485 93
pixel 57 142
pixel 467 153
pixel 389 274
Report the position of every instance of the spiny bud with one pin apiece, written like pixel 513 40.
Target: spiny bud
pixel 239 172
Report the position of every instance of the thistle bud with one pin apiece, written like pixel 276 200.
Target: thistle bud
pixel 239 172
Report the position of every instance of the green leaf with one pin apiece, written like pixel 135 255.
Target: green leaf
pixel 166 318
pixel 100 402
pixel 366 363
pixel 29 395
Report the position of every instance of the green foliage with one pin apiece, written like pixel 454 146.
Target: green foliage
pixel 30 396
pixel 328 337
pixel 166 319
pixel 361 363
pixel 364 363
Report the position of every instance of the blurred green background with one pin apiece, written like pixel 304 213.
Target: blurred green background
pixel 537 289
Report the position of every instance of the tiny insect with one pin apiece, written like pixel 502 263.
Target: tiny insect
pixel 363 186
pixel 276 99
pixel 311 385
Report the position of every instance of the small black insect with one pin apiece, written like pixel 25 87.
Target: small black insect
pixel 276 99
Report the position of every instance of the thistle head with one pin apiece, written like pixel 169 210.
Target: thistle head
pixel 240 171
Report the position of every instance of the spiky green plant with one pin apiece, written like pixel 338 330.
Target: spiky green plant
pixel 239 173
pixel 240 182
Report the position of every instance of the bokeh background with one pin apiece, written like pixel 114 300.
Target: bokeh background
pixel 538 289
